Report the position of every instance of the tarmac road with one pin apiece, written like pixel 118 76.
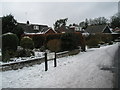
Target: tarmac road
pixel 117 67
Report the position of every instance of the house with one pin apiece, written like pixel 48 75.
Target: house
pixel 116 30
pixel 36 28
pixel 48 30
pixel 98 29
pixel 107 30
pixel 116 33
pixel 66 29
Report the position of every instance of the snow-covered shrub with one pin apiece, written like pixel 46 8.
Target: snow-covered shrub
pixel 27 43
pixel 42 49
pixel 54 45
pixel 24 53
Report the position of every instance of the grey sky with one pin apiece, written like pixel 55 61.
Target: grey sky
pixel 49 12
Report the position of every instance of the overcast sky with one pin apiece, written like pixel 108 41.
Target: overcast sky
pixel 48 12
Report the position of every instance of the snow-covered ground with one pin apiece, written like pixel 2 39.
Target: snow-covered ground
pixel 78 71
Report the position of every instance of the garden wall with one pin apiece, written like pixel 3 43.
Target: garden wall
pixel 20 65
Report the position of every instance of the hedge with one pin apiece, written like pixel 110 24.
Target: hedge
pixel 69 41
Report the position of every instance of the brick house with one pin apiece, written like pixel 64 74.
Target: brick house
pixel 36 28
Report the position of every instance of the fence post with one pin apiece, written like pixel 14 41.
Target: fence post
pixel 55 63
pixel 46 65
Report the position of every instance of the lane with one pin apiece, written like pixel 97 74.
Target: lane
pixel 117 67
pixel 78 71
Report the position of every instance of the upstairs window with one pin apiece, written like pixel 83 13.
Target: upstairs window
pixel 36 27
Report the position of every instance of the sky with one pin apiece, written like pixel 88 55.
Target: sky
pixel 47 13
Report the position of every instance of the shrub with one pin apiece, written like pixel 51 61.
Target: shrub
pixel 69 41
pixel 24 53
pixel 42 49
pixel 5 56
pixel 106 38
pixel 93 42
pixel 27 43
pixel 9 46
pixel 98 38
pixel 38 41
pixel 54 45
pixel 9 42
pixel 80 41
pixel 52 36
pixel 72 40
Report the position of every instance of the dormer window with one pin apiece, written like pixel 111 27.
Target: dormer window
pixel 36 27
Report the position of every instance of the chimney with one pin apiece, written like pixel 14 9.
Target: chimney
pixel 28 23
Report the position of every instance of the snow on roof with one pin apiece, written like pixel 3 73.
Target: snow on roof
pixel 7 33
pixel 50 29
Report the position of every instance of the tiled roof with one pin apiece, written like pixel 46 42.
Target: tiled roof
pixel 95 28
pixel 29 28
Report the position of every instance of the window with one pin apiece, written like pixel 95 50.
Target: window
pixel 36 27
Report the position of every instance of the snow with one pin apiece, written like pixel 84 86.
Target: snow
pixel 77 71
pixel 38 55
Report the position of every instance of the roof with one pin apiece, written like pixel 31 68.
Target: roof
pixel 29 28
pixel 65 29
pixel 95 28
pixel 50 29
pixel 107 29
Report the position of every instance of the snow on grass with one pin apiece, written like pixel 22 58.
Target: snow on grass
pixel 78 71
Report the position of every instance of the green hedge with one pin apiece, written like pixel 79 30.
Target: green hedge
pixel 9 46
pixel 69 41
pixel 27 43
pixel 9 42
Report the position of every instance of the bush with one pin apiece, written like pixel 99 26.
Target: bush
pixel 54 45
pixel 93 42
pixel 24 53
pixel 80 41
pixel 5 56
pixel 27 43
pixel 98 38
pixel 38 41
pixel 52 36
pixel 69 41
pixel 72 40
pixel 106 38
pixel 9 46
pixel 9 42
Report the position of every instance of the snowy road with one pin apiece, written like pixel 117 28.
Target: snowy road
pixel 78 71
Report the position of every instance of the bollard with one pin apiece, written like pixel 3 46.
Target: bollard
pixel 46 65
pixel 55 62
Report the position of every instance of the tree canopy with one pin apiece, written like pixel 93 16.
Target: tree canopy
pixel 115 21
pixel 9 24
pixel 59 23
